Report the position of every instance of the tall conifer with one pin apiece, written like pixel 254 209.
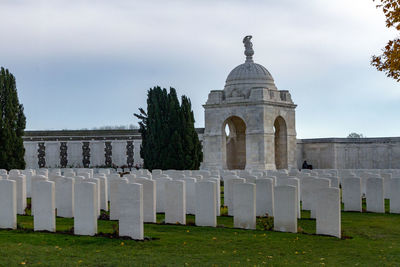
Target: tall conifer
pixel 12 124
pixel 169 139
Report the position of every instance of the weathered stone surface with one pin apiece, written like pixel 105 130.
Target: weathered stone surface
pixel 44 218
pixel 244 205
pixel 175 204
pixel 374 195
pixel 265 197
pixel 285 208
pixel 131 210
pixel 328 212
pixel 206 212
pixel 85 220
pixel 8 204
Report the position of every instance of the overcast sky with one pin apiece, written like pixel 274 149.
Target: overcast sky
pixel 84 64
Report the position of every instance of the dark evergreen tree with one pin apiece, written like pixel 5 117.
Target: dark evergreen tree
pixel 193 154
pixel 12 124
pixel 169 140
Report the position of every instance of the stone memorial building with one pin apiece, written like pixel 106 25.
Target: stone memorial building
pixel 250 124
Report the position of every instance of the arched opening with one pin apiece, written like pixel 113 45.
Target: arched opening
pixel 234 134
pixel 280 130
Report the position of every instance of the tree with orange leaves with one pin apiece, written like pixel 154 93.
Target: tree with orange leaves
pixel 389 60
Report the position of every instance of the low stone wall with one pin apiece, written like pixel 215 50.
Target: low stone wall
pixel 94 148
pixel 62 149
pixel 350 153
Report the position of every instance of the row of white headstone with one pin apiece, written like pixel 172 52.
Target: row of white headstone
pixel 175 196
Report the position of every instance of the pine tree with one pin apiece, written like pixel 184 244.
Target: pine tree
pixel 12 124
pixel 169 139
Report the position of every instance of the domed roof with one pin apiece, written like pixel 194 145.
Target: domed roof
pixel 248 75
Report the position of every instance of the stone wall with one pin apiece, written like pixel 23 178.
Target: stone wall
pixel 82 148
pixel 122 147
pixel 350 153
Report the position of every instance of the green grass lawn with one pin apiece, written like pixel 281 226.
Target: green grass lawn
pixel 374 239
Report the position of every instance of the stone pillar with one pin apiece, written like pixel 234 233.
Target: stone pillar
pixel 44 218
pixel 131 211
pixel 285 209
pixel 8 204
pixel 244 205
pixel 328 212
pixel 265 197
pixel 149 199
pixel 206 212
pixel 175 204
pixel 85 220
pixel 374 195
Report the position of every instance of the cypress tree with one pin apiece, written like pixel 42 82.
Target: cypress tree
pixel 169 139
pixel 12 124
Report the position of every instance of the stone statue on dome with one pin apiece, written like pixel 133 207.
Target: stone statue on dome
pixel 249 52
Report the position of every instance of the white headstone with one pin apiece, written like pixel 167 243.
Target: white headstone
pixel 161 193
pixel 85 220
pixel 114 197
pixel 206 204
pixel 285 208
pixel 131 210
pixel 395 195
pixel 65 197
pixel 149 199
pixel 317 186
pixel 35 179
pixel 21 192
pixel 328 212
pixel 44 218
pixel 228 193
pixel 97 182
pixel 351 194
pixel 190 192
pixel 374 195
pixel 218 192
pixel 175 204
pixel 265 197
pixel 244 205
pixel 8 204
pixel 103 192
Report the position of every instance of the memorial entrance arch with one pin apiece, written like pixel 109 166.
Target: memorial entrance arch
pixel 234 134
